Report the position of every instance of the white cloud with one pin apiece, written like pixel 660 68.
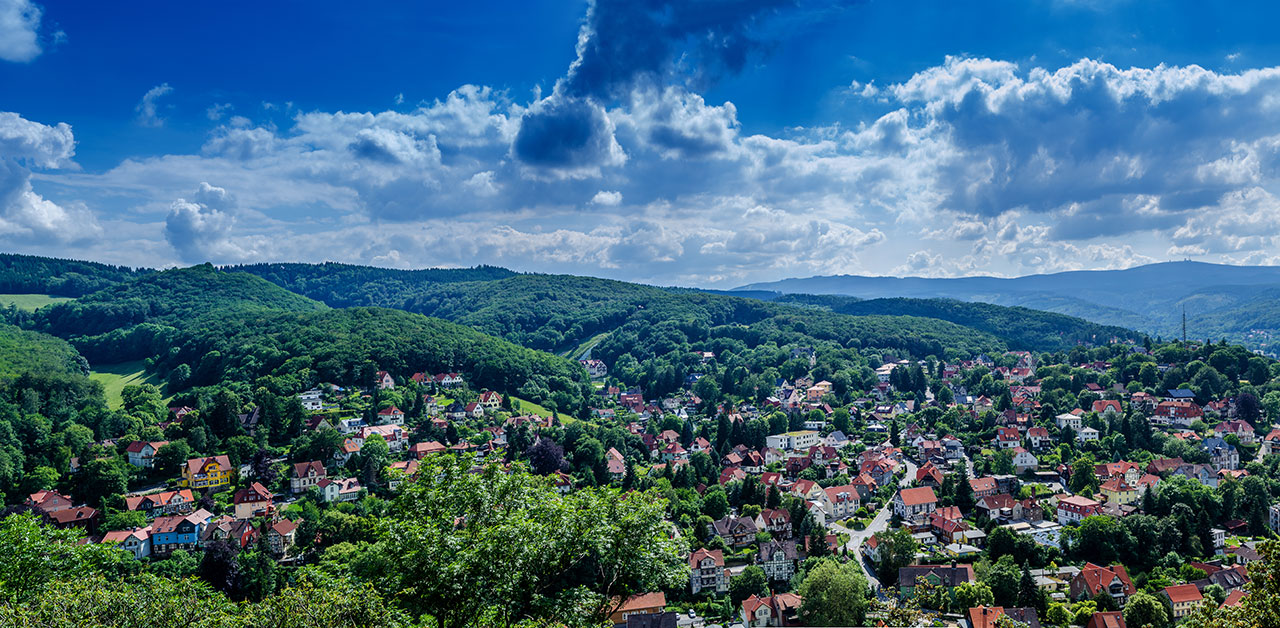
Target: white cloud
pixel 148 107
pixel 26 216
pixel 19 30
pixel 607 198
pixel 217 111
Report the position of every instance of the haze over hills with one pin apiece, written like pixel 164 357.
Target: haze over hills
pixel 1238 303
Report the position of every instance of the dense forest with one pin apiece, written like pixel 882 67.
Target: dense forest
pixel 1023 328
pixel 23 351
pixel 26 274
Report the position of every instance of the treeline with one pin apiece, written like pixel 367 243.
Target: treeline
pixel 1023 328
pixel 289 351
pixel 172 297
pixel 29 274
pixel 23 351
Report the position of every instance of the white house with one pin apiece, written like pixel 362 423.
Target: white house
pixel 792 441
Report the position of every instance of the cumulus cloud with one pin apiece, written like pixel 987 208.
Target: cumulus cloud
pixel 19 30
pixel 607 198
pixel 148 107
pixel 25 215
pixel 200 229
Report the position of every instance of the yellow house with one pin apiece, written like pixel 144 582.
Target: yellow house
pixel 210 472
pixel 1184 598
pixel 1117 491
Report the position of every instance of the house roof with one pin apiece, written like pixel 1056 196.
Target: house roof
pixel 949 575
pixel 302 468
pixel 917 496
pixel 1096 577
pixel 986 616
pixel 1113 619
pixel 698 555
pixel 1183 593
pixel 196 465
pixel 642 601
pixel 284 527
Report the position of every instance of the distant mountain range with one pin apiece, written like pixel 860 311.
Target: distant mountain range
pixel 1239 303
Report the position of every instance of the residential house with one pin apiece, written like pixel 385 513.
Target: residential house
pixel 1117 491
pixel 46 502
pixel 945 576
pixel 840 502
pixel 142 453
pixel 1222 455
pixel 1107 407
pixel 1024 460
pixel 240 532
pixel 988 616
pixel 136 541
pixel 777 559
pixel 82 517
pixel 781 609
pixel 1087 435
pixel 1176 413
pixel 1008 438
pixel 1039 438
pixel 306 475
pixel 177 532
pixel 1202 473
pixel 1096 580
pixel 384 380
pixel 209 473
pixel 419 451
pixel 1110 619
pixel 777 521
pixel 982 487
pixel 1183 598
pixel 391 416
pixel 737 532
pixel 1240 428
pixel 340 489
pixel 1073 421
pixel 281 536
pixel 915 504
pixel 929 475
pixel 640 604
pixel 162 503
pixel 394 436
pixel 800 440
pixel 707 572
pixel 253 501
pixel 1075 508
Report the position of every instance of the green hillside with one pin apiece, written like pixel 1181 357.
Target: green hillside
pixel 23 351
pixel 30 302
pixel 1021 327
pixel 172 298
pixel 30 274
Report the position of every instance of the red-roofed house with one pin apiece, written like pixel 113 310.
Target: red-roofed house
pixel 1075 508
pixel 639 604
pixel 1107 406
pixel 142 453
pixel 707 572
pixel 1096 579
pixel 1184 598
pixel 914 504
pixel 252 501
pixel 776 610
pixel 306 475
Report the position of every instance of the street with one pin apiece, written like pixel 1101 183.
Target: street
pixel 878 524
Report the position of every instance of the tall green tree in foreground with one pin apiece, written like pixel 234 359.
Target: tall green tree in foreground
pixel 834 594
pixel 493 548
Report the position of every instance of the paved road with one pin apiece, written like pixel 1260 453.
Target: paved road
pixel 879 524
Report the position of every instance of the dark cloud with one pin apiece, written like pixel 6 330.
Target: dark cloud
pixel 565 134
pixel 627 40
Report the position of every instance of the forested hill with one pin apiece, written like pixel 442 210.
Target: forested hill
pixel 345 285
pixel 567 313
pixel 23 351
pixel 172 297
pixel 28 274
pixel 1022 328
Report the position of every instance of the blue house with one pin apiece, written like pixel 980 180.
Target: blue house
pixel 177 532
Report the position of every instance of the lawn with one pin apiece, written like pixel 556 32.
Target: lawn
pixel 115 377
pixel 582 347
pixel 31 302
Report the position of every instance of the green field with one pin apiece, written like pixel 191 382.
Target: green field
pixel 31 302
pixel 115 377
pixel 529 407
pixel 582 347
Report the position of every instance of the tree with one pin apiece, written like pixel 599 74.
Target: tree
pixel 35 554
pixel 1144 609
pixel 963 499
pixel 100 479
pixel 219 566
pixel 970 594
pixel 715 504
pixel 545 456
pixel 752 581
pixel 170 458
pixel 818 542
pixel 448 551
pixel 834 594
pixel 897 550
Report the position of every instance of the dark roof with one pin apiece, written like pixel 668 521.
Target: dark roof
pixel 1180 393
pixel 950 576
pixel 652 620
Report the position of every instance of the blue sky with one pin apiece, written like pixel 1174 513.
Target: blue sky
pixel 700 143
